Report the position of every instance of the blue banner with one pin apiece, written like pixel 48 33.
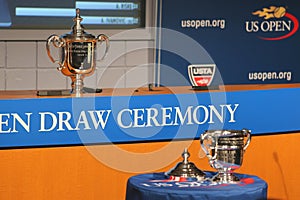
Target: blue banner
pixel 123 119
pixel 250 42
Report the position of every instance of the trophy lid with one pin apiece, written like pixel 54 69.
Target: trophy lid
pixel 77 29
pixel 229 133
pixel 186 169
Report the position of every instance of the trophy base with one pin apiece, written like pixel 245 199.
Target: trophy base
pixel 88 90
pixel 77 86
pixel 213 87
pixel 226 178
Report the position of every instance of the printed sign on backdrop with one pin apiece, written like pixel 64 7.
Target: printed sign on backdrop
pixel 250 42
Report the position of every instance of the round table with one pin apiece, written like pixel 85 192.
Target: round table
pixel 156 186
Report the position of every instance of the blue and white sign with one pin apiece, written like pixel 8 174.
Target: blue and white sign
pixel 123 119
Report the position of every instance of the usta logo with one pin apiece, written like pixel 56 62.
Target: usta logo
pixel 202 71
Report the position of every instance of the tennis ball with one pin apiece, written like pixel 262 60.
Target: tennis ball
pixel 279 12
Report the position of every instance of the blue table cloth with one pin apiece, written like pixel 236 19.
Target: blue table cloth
pixel 156 186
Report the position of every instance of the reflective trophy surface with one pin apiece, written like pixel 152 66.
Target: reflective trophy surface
pixel 186 169
pixel 77 53
pixel 225 150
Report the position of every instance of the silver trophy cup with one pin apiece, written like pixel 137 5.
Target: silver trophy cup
pixel 225 150
pixel 77 53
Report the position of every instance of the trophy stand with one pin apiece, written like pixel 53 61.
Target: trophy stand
pixel 77 85
pixel 226 177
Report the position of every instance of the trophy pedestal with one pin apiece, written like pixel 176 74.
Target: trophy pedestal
pixel 226 177
pixel 77 84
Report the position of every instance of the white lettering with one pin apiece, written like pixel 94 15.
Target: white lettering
pixel 205 114
pixel 25 125
pixel 252 26
pixel 5 126
pixel 173 116
pixel 119 118
pixel 214 112
pixel 201 71
pixel 83 120
pixel 63 121
pixel 4 122
pixel 231 112
pixel 43 121
pixel 100 121
pixel 152 114
pixel 166 116
pixel 268 26
pixel 178 115
pixel 138 116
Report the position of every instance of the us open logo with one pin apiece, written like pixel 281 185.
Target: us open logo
pixel 201 74
pixel 273 23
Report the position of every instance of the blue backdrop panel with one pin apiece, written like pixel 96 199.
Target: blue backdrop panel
pixel 249 41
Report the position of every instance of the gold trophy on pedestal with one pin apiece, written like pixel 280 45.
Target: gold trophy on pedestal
pixel 77 53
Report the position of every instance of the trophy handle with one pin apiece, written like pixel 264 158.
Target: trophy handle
pixel 247 133
pixel 206 137
pixel 57 42
pixel 101 38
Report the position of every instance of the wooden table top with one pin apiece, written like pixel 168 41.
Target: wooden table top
pixel 20 94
